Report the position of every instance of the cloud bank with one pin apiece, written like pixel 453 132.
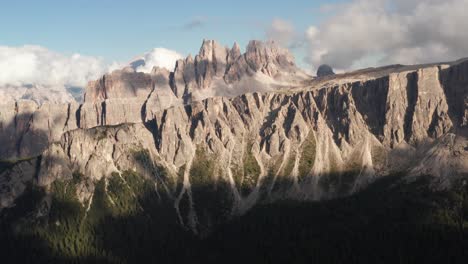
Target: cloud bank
pixel 378 32
pixel 159 57
pixel 281 31
pixel 38 65
pixel 39 74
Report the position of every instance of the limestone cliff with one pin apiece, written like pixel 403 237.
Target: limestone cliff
pixel 315 139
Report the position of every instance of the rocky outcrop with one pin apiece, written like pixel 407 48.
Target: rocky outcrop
pixel 15 177
pixel 267 58
pixel 215 71
pixel 125 83
pixel 96 152
pixel 26 129
pixel 310 144
pixel 263 67
pixel 407 105
pixel 318 140
pixel 324 70
pixel 455 84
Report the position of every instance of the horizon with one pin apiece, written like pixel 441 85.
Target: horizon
pixel 48 46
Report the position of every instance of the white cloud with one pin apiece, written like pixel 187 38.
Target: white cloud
pixel 281 31
pixel 38 65
pixel 116 66
pixel 39 74
pixel 370 32
pixel 160 57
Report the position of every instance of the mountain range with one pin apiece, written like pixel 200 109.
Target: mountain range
pixel 222 137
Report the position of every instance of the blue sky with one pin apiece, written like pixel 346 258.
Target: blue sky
pixel 346 34
pixel 117 30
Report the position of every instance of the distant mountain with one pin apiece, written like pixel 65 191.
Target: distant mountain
pixel 40 93
pixel 215 71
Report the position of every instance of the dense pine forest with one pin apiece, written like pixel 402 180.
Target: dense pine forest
pixel 129 221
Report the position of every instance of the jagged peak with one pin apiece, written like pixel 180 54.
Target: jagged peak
pixel 268 49
pixel 215 65
pixel 260 51
pixel 259 45
pixel 235 52
pixel 235 46
pixel 206 47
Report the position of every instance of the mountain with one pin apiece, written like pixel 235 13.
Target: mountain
pixel 40 93
pixel 226 135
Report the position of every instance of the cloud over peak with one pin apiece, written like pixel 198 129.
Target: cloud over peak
pixel 378 32
pixel 38 65
pixel 281 31
pixel 160 57
pixel 39 74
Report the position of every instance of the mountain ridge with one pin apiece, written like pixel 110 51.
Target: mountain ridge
pixel 310 139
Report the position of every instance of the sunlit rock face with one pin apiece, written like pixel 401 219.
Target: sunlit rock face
pixel 250 127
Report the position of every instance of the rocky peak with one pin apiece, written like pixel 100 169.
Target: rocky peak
pixel 261 56
pixel 234 53
pixel 328 138
pixel 212 51
pixel 217 69
pixel 213 71
pixel 325 70
pixel 122 83
pixel 210 61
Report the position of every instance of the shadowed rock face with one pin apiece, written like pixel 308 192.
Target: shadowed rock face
pixel 323 139
pixel 324 70
pixel 26 129
pixel 119 84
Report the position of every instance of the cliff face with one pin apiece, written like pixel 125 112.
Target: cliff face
pixel 322 139
pixel 214 71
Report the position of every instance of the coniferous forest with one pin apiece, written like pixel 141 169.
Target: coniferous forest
pixel 392 221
